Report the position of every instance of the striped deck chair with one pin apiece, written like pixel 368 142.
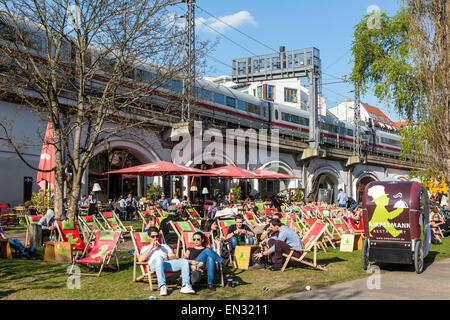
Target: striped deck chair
pixel 308 224
pixel 184 230
pixel 140 240
pixel 310 241
pixel 260 207
pixel 104 248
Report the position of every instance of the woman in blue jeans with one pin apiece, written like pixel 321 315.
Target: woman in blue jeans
pixel 204 255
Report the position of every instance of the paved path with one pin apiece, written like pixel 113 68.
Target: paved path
pixel 400 283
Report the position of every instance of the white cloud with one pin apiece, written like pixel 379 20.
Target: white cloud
pixel 234 20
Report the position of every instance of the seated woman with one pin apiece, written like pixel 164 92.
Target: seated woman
pixel 205 255
pixel 215 238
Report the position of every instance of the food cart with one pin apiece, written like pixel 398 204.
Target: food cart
pixel 396 224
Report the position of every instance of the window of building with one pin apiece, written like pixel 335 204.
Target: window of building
pixel 270 93
pixel 290 95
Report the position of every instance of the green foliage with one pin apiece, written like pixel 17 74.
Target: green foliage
pixel 382 59
pixel 298 196
pixel 41 200
pixel 236 192
pixel 153 193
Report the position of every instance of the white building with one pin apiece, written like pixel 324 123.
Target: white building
pixel 345 112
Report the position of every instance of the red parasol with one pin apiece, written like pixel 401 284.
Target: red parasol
pixel 46 180
pixel 267 174
pixel 232 172
pixel 160 168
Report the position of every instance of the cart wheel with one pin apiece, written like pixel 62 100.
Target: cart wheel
pixel 418 257
pixel 365 254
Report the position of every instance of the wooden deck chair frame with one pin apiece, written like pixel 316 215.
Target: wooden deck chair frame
pixel 80 232
pixel 106 260
pixel 146 275
pixel 308 224
pixel 195 214
pixel 311 243
pixel 142 215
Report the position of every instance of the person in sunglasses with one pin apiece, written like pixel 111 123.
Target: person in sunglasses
pixel 160 258
pixel 205 256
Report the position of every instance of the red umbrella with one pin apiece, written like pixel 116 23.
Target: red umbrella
pixel 46 180
pixel 267 174
pixel 232 172
pixel 160 168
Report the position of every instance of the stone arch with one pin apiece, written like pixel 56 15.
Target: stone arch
pixel 318 177
pixel 360 182
pixel 144 154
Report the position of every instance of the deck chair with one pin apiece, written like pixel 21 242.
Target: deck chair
pixel 310 241
pixel 183 229
pixel 140 240
pixel 338 227
pixel 90 224
pixel 251 218
pixel 30 219
pixel 188 242
pixel 113 222
pixel 308 224
pixel 193 213
pixel 68 231
pixel 224 225
pixel 104 248
pixel 355 228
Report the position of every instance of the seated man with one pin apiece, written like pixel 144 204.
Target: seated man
pixel 47 222
pixel 160 257
pixel 281 242
pixel 239 233
pixel 163 202
pixel 212 210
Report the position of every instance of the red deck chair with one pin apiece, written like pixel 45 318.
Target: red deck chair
pixel 68 231
pixel 224 225
pixel 310 241
pixel 309 223
pixel 182 229
pixel 193 213
pixel 104 248
pixel 356 229
pixel 140 240
pixel 339 227
pixel 252 219
pixel 91 224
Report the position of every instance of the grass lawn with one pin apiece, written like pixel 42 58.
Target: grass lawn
pixel 36 279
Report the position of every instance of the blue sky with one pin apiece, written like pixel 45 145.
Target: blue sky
pixel 325 24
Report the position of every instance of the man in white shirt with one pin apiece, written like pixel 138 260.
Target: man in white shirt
pixel 160 257
pixel 175 200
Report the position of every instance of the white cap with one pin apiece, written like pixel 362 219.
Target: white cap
pixel 376 192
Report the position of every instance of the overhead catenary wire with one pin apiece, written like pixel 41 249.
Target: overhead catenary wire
pixel 234 28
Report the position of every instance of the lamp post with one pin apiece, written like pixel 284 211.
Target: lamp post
pixel 96 188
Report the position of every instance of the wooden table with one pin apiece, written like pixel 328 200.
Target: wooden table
pixel 243 256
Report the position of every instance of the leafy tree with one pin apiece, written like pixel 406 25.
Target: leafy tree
pixel 404 58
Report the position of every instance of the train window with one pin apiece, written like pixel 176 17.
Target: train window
pixel 295 119
pixel 231 102
pixel 241 105
pixel 276 114
pixel 304 121
pixel 205 94
pixel 349 132
pixel 219 98
pixel 253 108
